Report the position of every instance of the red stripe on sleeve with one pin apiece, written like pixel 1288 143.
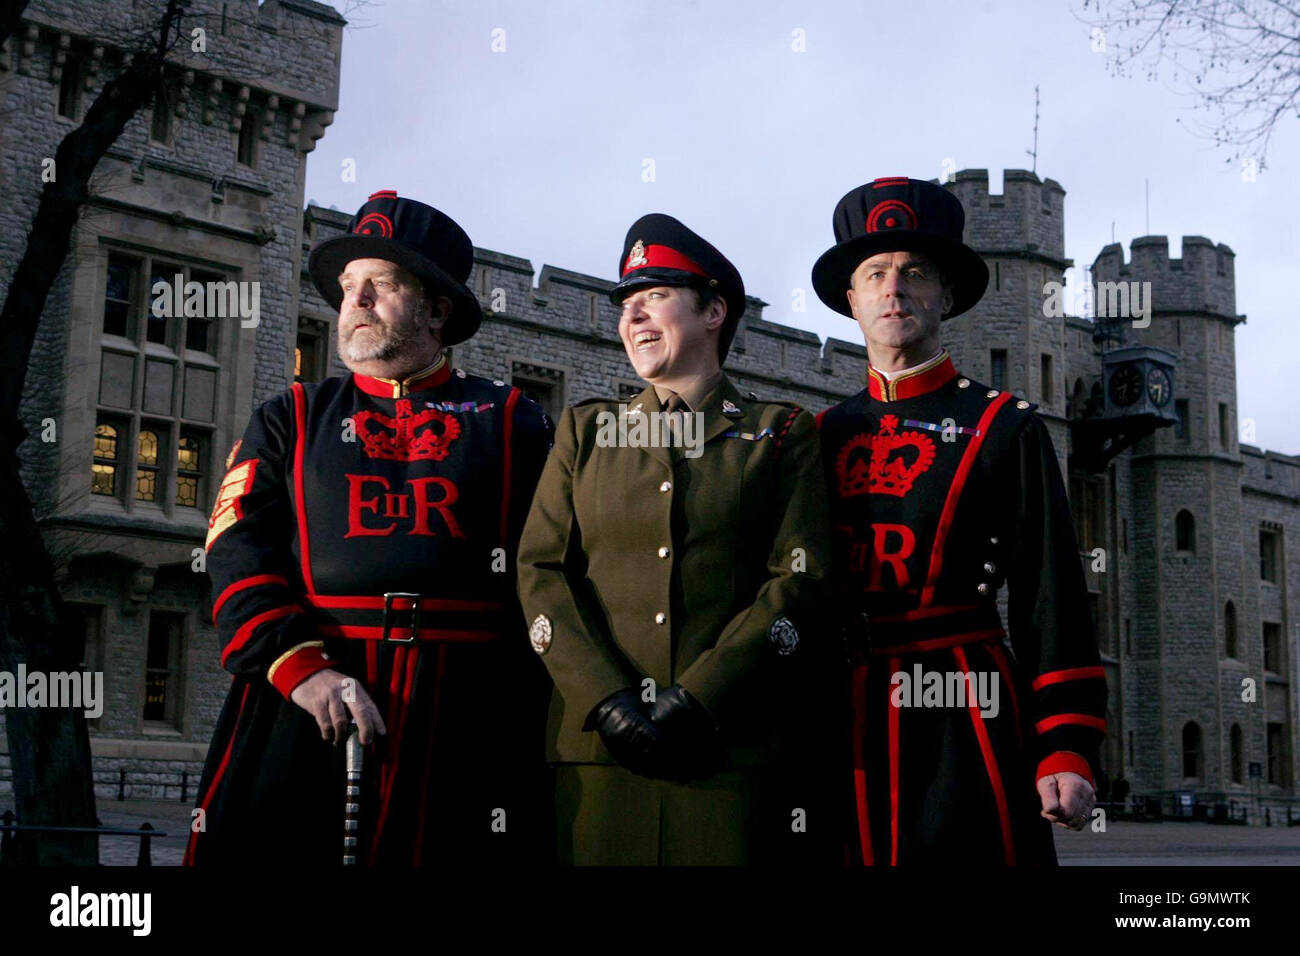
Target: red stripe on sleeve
pixel 1071 673
pixel 240 585
pixel 245 632
pixel 1078 720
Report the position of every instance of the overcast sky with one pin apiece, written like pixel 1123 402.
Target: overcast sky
pixel 539 150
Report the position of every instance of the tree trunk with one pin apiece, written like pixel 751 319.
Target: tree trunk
pixel 50 748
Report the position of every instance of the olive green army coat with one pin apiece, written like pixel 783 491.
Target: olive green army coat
pixel 703 567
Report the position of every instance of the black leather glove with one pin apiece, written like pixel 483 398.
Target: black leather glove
pixel 627 732
pixel 693 740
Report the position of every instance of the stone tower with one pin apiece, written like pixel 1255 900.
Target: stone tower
pixel 1197 603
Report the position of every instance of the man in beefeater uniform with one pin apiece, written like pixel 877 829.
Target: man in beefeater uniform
pixel 406 478
pixel 941 488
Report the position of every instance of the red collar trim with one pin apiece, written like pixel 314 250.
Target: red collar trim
pixel 425 379
pixel 937 372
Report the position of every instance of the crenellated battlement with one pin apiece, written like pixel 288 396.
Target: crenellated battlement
pixel 1028 216
pixel 287 49
pixel 1202 280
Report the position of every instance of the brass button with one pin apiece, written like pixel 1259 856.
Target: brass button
pixel 661 617
pixel 963 383
pixel 991 393
pixel 982 587
pixel 664 552
pixel 993 540
pixel 1022 404
pixel 666 486
pixel 989 567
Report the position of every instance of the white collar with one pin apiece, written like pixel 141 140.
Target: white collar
pixel 890 376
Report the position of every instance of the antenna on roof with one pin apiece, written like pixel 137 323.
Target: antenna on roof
pixel 1034 152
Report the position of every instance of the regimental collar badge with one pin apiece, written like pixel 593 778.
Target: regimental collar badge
pixel 730 408
pixel 636 257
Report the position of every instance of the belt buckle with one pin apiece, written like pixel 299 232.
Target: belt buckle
pixel 389 597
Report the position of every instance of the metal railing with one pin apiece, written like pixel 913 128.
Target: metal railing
pixel 145 835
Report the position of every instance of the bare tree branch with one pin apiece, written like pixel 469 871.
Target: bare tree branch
pixel 1239 59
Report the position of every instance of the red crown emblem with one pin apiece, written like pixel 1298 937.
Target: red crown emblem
pixel 872 470
pixel 398 439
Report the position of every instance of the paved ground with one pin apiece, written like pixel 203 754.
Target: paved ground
pixel 171 816
pixel 1123 844
pixel 1179 844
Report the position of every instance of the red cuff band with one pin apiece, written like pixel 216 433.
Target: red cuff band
pixel 291 671
pixel 1062 762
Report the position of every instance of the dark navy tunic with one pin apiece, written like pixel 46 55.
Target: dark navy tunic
pixel 339 492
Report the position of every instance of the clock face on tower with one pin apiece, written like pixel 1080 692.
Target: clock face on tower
pixel 1158 387
pixel 1126 385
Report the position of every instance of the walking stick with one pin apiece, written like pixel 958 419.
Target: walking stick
pixel 352 806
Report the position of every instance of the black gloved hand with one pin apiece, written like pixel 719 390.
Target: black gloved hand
pixel 693 739
pixel 627 732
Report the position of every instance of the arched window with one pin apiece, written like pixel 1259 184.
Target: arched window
pixel 1185 531
pixel 1235 744
pixel 1191 750
pixel 1230 629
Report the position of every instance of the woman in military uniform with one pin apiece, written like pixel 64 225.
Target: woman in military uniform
pixel 671 591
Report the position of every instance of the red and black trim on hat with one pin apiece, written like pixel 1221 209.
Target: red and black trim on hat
pixel 421 239
pixel 655 256
pixel 898 214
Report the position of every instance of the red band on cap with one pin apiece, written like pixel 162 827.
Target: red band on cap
pixel 663 257
pixel 889 181
pixel 384 194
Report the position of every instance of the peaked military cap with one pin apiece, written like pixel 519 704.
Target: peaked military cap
pixel 659 250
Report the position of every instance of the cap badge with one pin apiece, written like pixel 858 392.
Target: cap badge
pixel 891 214
pixel 636 257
